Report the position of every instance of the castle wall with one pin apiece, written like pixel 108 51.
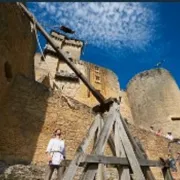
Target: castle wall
pixel 31 113
pixel 125 109
pixel 29 116
pixel 17 45
pixel 72 47
pixel 74 51
pixel 155 147
pixel 22 117
pixel 154 98
pixel 58 39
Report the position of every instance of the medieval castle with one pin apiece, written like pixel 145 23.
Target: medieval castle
pixel 151 99
pixel 39 94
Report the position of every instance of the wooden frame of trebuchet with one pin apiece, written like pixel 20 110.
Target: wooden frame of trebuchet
pixel 129 158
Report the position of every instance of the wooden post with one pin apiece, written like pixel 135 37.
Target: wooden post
pixel 71 170
pixel 138 174
pixel 90 170
pixel 167 174
pixel 123 172
pixel 139 151
pixel 101 173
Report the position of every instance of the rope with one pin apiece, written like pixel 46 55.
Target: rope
pixel 41 51
pixel 37 39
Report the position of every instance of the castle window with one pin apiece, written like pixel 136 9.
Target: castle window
pixel 8 71
pixel 69 55
pixel 97 79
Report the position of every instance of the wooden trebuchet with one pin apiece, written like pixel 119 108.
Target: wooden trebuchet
pixel 91 169
pixel 128 156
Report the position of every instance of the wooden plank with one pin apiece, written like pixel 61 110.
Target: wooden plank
pixel 140 152
pixel 90 170
pixel 101 173
pixel 97 132
pixel 147 171
pixel 112 160
pixel 138 174
pixel 110 141
pixel 104 135
pixel 71 170
pixel 167 174
pixel 124 173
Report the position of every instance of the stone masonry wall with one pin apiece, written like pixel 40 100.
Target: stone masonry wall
pixel 125 109
pixel 154 98
pixel 17 45
pixel 155 147
pixel 29 116
pixel 22 116
pixel 31 113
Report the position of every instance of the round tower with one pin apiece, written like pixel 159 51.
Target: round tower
pixel 155 100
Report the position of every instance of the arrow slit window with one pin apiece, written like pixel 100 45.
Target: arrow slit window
pixel 97 75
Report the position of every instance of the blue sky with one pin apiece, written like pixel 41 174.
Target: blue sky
pixel 125 37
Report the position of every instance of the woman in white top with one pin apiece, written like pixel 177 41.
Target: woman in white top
pixel 56 153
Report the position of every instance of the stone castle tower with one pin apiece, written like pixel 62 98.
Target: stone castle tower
pixel 151 99
pixel 154 99
pixel 58 76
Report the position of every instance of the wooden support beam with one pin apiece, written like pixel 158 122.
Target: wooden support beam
pixel 101 173
pixel 166 170
pixel 124 172
pixel 139 151
pixel 91 170
pixel 112 160
pixel 71 170
pixel 138 174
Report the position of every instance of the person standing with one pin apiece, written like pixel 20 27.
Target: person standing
pixel 159 132
pixel 169 136
pixel 172 163
pixel 152 129
pixel 56 153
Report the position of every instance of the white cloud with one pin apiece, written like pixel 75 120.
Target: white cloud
pixel 101 24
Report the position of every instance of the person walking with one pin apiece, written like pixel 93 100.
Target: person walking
pixel 172 163
pixel 55 153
